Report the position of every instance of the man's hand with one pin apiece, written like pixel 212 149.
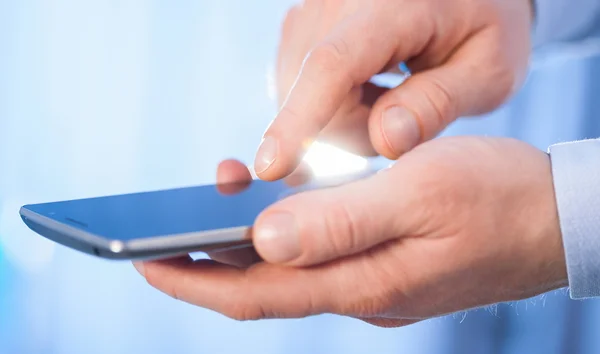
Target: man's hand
pixel 456 223
pixel 466 57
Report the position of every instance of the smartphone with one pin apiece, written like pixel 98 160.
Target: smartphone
pixel 164 223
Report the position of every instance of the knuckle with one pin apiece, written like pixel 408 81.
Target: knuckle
pixel 290 15
pixel 367 307
pixel 328 57
pixel 442 100
pixel 313 303
pixel 507 81
pixel 151 277
pixel 386 322
pixel 342 229
pixel 377 297
pixel 245 304
pixel 157 282
pixel 505 72
pixel 241 310
pixel 293 12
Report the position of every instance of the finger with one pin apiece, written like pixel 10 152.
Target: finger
pixel 239 257
pixel 285 41
pixel 328 74
pixel 292 45
pixel 232 177
pixel 322 225
pixel 269 291
pixel 230 171
pixel 427 102
pixel 177 261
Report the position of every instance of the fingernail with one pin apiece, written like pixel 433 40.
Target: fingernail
pixel 276 238
pixel 139 266
pixel 266 154
pixel 400 129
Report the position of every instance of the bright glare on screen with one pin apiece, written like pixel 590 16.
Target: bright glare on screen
pixel 326 161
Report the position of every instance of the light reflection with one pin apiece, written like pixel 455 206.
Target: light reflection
pixel 327 161
pixel 271 82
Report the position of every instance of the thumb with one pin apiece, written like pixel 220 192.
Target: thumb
pixel 471 82
pixel 321 225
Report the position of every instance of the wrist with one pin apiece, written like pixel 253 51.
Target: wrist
pixel 543 231
pixel 557 276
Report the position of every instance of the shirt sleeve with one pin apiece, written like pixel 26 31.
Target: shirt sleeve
pixel 576 175
pixel 565 21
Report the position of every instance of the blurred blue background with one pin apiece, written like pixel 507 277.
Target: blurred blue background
pixel 112 96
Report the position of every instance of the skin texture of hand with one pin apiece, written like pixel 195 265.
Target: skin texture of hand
pixel 454 224
pixel 466 58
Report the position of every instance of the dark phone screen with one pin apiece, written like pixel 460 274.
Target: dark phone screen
pixel 167 212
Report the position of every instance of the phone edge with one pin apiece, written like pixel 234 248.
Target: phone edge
pixel 140 249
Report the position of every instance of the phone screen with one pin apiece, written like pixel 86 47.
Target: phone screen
pixel 167 212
